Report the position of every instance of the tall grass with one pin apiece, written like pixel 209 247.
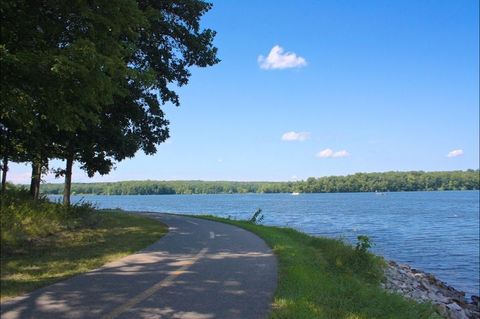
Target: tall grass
pixel 24 221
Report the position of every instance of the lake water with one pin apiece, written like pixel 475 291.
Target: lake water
pixel 437 232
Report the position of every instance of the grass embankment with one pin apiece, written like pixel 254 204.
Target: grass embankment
pixel 326 278
pixel 43 242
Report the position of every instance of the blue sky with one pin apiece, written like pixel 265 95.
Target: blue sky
pixel 318 88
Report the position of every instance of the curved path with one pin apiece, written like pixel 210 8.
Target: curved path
pixel 199 270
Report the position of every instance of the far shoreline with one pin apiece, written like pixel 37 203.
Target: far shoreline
pixel 383 182
pixel 271 193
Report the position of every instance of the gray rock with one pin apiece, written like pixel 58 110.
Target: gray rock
pixel 423 287
pixel 456 312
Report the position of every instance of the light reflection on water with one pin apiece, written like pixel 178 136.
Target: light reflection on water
pixel 437 232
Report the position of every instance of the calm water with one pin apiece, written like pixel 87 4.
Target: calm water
pixel 437 232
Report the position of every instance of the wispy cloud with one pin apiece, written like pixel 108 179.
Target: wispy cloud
pixel 295 136
pixel 278 59
pixel 325 153
pixel 455 153
pixel 329 153
pixel 342 153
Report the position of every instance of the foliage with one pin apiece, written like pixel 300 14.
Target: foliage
pixel 364 243
pixel 257 217
pixel 88 79
pixel 324 278
pixel 70 252
pixel 393 182
pixel 369 182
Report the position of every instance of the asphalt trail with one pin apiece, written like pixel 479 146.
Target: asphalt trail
pixel 199 270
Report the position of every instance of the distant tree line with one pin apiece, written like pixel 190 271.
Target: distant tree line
pixel 85 81
pixel 393 182
pixel 360 182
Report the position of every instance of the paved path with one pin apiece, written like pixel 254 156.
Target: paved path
pixel 199 270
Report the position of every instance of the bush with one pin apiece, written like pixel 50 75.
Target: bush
pixel 24 221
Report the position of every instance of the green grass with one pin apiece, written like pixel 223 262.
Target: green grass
pixel 326 278
pixel 74 250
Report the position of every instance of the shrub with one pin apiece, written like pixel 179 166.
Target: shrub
pixel 363 244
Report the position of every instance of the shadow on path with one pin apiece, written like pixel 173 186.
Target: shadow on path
pixel 200 269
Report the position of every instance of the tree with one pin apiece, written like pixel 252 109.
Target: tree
pixel 47 85
pixel 167 44
pixel 95 75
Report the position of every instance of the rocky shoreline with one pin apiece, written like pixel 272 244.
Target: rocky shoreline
pixel 424 287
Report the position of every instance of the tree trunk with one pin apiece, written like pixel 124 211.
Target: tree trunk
pixel 4 174
pixel 33 180
pixel 68 182
pixel 37 166
pixel 38 179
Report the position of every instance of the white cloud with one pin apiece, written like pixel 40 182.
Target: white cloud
pixel 342 153
pixel 327 153
pixel 455 153
pixel 278 59
pixel 295 136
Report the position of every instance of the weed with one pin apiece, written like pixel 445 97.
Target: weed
pixel 257 217
pixel 363 244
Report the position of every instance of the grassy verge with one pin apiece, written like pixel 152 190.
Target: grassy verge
pixel 71 252
pixel 42 248
pixel 326 278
